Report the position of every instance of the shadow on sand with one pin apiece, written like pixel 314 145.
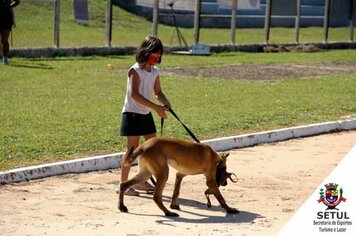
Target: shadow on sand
pixel 199 218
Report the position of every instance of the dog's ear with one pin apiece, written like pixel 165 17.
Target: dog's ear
pixel 219 159
pixel 224 155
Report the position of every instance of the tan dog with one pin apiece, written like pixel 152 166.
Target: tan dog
pixel 187 158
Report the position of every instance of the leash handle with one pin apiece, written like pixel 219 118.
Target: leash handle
pixel 184 126
pixel 162 123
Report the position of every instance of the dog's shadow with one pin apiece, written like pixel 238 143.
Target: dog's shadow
pixel 242 217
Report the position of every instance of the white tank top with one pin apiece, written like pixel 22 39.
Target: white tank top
pixel 148 80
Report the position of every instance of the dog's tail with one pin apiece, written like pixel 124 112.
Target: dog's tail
pixel 131 155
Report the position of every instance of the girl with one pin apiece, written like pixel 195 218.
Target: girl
pixel 7 21
pixel 142 81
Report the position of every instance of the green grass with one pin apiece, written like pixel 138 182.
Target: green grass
pixel 129 29
pixel 64 108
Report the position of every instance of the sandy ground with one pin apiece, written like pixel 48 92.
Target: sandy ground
pixel 266 72
pixel 274 180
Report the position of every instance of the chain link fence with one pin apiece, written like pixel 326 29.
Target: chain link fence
pixel 35 23
pixel 82 23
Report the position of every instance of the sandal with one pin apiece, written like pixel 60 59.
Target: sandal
pixel 145 186
pixel 132 192
pixel 129 192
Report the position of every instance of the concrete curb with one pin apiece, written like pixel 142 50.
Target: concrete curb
pixel 112 161
pixel 248 140
pixel 130 50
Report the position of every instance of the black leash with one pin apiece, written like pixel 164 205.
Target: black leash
pixel 184 126
pixel 162 123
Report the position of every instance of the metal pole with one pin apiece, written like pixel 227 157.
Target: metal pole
pixel 155 17
pixel 352 16
pixel 326 20
pixel 233 21
pixel 197 21
pixel 268 20
pixel 108 34
pixel 57 11
pixel 297 22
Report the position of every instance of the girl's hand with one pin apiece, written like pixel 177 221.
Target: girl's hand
pixel 161 111
pixel 167 107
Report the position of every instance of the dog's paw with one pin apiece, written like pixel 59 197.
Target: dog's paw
pixel 175 207
pixel 232 211
pixel 123 208
pixel 171 214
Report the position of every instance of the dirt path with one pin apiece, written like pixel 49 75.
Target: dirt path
pixel 274 181
pixel 266 72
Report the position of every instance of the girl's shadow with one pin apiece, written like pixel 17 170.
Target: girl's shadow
pixel 33 65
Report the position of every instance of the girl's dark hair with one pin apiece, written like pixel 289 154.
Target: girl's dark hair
pixel 151 44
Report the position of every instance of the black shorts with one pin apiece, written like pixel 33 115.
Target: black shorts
pixel 133 124
pixel 6 20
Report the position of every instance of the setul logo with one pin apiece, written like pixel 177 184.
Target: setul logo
pixel 332 196
pixel 331 219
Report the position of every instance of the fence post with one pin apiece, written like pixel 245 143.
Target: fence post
pixel 57 12
pixel 268 20
pixel 326 20
pixel 233 21
pixel 297 22
pixel 108 23
pixel 197 21
pixel 155 17
pixel 352 16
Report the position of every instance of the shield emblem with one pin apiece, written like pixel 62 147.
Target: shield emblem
pixel 331 195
